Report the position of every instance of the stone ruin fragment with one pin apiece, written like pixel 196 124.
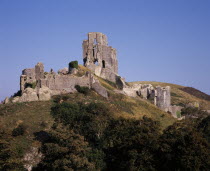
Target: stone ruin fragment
pixel 35 84
pixel 160 96
pixel 99 57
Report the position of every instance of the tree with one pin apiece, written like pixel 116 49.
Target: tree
pixel 204 127
pixel 87 120
pixel 131 144
pixel 182 147
pixel 65 150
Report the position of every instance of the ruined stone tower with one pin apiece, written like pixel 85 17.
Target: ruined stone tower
pixel 163 97
pixel 99 57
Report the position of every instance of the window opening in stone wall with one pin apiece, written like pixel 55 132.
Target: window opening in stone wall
pixel 95 42
pixel 96 62
pixel 103 64
pixel 94 51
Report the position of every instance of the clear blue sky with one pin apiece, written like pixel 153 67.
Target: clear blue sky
pixel 156 40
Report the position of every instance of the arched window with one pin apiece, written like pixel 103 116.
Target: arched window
pixel 103 64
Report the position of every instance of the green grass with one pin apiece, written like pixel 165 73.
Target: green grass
pixel 32 115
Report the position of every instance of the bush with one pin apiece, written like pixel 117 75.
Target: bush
pixel 131 144
pixel 73 64
pixel 89 120
pixel 193 112
pixel 182 147
pixel 83 90
pixel 20 130
pixel 178 114
pixel 65 150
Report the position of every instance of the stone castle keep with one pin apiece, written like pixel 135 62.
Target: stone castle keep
pixel 101 60
pixel 99 57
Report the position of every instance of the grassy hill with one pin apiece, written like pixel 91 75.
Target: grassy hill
pixel 36 116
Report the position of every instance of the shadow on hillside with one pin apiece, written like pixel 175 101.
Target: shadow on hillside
pixel 41 136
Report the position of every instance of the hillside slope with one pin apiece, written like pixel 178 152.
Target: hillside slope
pixel 36 116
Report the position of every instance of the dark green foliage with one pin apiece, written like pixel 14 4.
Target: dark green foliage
pixel 83 90
pixel 182 147
pixel 193 112
pixel 73 64
pixel 174 94
pixel 8 158
pixel 30 85
pixel 88 120
pixel 204 127
pixel 20 130
pixel 131 144
pixel 65 150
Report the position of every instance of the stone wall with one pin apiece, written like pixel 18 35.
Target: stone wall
pixel 49 84
pixel 99 57
pixel 163 97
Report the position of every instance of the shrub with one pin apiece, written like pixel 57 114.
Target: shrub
pixel 131 144
pixel 178 114
pixel 88 120
pixel 73 64
pixel 193 111
pixel 65 150
pixel 83 90
pixel 182 147
pixel 20 130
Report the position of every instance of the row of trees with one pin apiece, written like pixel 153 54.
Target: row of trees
pixel 88 137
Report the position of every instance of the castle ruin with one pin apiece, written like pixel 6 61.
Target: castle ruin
pixel 101 60
pixel 99 57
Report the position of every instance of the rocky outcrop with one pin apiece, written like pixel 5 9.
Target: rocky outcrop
pixel 6 100
pixel 44 94
pixel 95 84
pixel 32 158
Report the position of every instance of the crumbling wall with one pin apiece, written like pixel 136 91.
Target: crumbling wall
pixel 63 83
pixel 99 57
pixel 175 110
pixel 49 84
pixel 163 97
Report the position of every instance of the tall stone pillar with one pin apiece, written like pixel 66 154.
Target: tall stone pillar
pixel 163 97
pixel 39 71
